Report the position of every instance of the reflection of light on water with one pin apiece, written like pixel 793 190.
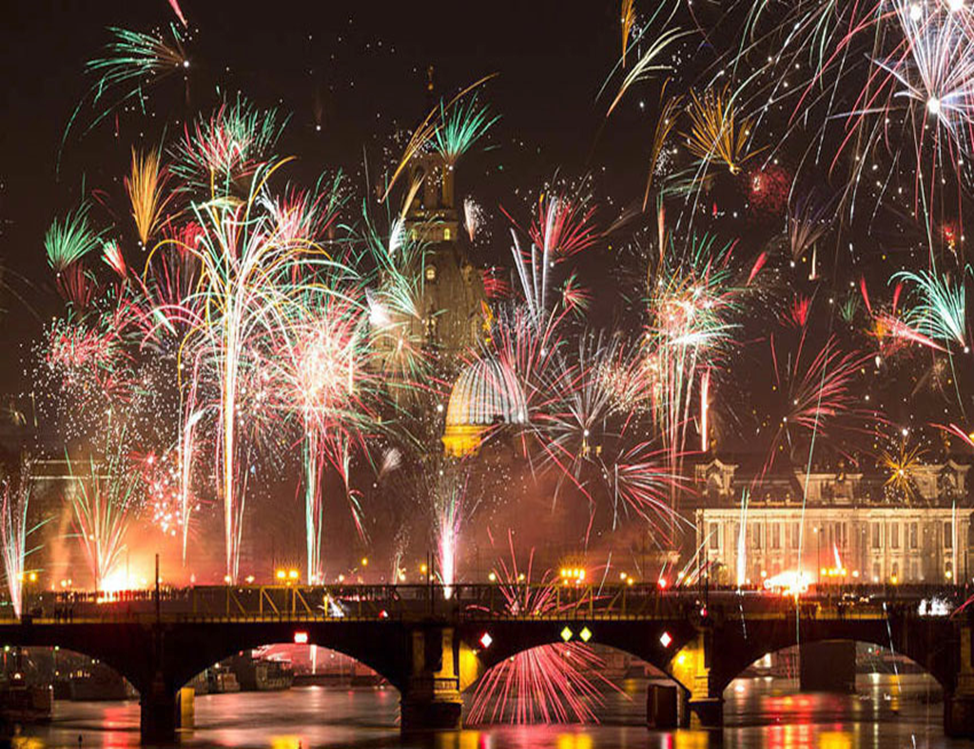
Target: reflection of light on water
pixel 286 742
pixel 691 740
pixel 462 740
pixel 834 740
pixel 26 742
pixel 574 741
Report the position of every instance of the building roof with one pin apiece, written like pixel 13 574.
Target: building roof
pixel 485 393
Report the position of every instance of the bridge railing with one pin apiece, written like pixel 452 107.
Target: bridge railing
pixel 470 601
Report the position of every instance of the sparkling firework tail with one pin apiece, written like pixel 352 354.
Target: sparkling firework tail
pixel 472 217
pixel 648 63
pixel 817 398
pixel 174 4
pixel 716 132
pixel 244 294
pixel 69 241
pixel 462 125
pixel 145 190
pixel 448 514
pixel 627 18
pixel 14 532
pixel 940 312
pixel 101 503
pixel 229 149
pixel 424 134
pixel 133 61
pixel 664 126
pixel 112 255
pixel 808 221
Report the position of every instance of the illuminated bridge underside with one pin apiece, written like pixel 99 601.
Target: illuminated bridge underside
pixel 431 648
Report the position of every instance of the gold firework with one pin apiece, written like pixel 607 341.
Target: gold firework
pixel 627 18
pixel 716 134
pixel 145 193
pixel 901 468
pixel 667 119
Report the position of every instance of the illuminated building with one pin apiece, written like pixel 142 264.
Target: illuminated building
pixel 850 530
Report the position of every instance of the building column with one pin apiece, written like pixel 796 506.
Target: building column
pixel 158 712
pixel 431 698
pixel 959 704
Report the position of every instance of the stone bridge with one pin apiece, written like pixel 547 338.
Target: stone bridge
pixel 432 643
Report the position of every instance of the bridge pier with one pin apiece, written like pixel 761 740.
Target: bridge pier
pixel 158 712
pixel 691 668
pixel 709 711
pixel 431 698
pixel 959 703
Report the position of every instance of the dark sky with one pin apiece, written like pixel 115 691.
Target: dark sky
pixel 356 69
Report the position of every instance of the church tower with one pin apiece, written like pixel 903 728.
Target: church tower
pixel 452 298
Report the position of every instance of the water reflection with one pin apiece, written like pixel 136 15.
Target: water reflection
pixel 759 714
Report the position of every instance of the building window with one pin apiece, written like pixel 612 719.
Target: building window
pixel 894 536
pixel 914 535
pixel 877 572
pixel 430 272
pixel 714 536
pixel 948 535
pixel 895 576
pixel 776 536
pixel 447 235
pixel 755 536
pixel 795 535
pixel 877 530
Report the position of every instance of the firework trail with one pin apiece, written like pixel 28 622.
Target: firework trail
pixel 245 295
pixel 460 127
pixel 102 497
pixel 133 61
pixel 940 312
pixel 228 149
pixel 14 532
pixel 716 133
pixel 145 190
pixel 449 513
pixel 67 242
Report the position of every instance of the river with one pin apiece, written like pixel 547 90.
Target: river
pixel 761 713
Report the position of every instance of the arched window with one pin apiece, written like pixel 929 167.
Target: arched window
pixel 430 272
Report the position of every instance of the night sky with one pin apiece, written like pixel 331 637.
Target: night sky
pixel 353 80
pixel 358 73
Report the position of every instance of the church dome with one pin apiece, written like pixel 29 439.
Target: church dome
pixel 486 393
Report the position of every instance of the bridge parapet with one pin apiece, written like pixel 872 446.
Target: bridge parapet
pixel 457 602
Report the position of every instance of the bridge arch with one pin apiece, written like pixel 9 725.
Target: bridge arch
pixel 379 645
pixel 661 645
pixel 124 648
pixel 581 688
pixel 741 647
pixel 91 677
pixel 883 649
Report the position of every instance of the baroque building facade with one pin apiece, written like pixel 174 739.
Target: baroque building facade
pixel 847 530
